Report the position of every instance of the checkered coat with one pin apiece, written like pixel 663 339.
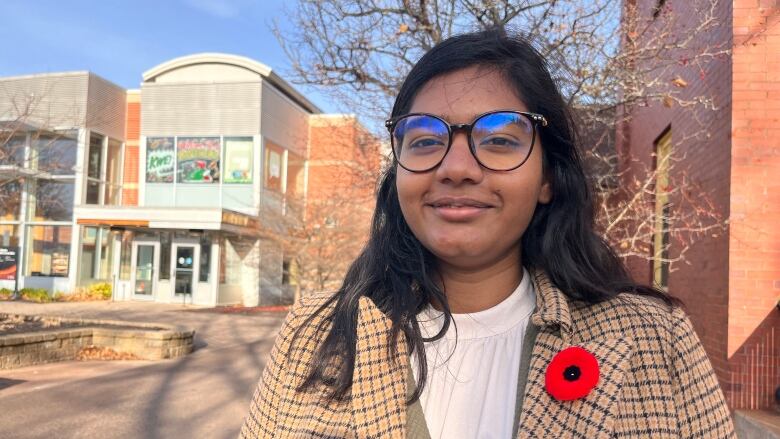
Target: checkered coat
pixel 655 378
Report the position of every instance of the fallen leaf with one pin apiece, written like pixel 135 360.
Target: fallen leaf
pixel 679 82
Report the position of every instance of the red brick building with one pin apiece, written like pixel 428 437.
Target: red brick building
pixel 732 285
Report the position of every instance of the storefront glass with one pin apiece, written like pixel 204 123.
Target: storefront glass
pixel 48 250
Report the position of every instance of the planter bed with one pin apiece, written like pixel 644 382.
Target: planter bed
pixel 26 340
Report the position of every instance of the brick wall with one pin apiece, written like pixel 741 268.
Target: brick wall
pixel 732 284
pixel 754 241
pixel 702 285
pixel 132 135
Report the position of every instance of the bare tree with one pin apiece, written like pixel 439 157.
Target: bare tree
pixel 608 56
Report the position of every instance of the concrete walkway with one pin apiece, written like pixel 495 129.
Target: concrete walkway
pixel 203 395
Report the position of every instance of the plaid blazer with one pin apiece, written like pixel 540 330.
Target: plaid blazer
pixel 655 378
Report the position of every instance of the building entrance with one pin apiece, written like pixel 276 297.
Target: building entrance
pixel 144 269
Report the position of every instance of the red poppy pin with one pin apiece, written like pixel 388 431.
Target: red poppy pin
pixel 571 374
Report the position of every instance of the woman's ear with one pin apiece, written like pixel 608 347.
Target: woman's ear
pixel 545 192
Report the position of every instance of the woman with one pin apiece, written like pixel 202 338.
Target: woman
pixel 484 305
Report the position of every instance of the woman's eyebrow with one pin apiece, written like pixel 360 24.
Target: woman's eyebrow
pixel 449 118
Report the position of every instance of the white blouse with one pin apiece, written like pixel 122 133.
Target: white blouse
pixel 472 384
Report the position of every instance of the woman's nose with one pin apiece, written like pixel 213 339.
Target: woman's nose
pixel 459 165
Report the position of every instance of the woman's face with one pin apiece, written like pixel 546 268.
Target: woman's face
pixel 468 216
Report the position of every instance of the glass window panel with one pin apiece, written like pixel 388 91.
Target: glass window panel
pixel 54 153
pixel 272 170
pixel 9 235
pixel 88 259
pixel 126 255
pixel 105 269
pixel 94 156
pixel 112 195
pixel 205 258
pixel 165 255
pixel 10 200
pixel 114 162
pixel 160 156
pixel 12 151
pixel 48 250
pixel 93 192
pixel 53 201
pixel 238 159
pixel 198 159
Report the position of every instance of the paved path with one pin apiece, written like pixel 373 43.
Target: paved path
pixel 203 395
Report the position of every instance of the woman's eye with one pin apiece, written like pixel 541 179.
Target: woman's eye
pixel 425 143
pixel 503 142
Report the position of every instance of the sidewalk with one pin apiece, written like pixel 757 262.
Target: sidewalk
pixel 205 394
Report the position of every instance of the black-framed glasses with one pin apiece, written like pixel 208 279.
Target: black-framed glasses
pixel 499 140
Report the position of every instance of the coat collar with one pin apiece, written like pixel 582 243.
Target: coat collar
pixel 552 306
pixel 379 386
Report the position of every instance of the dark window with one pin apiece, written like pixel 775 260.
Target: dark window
pixel 205 258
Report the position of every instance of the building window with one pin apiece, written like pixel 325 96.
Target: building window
pixel 663 150
pixel 88 261
pixel 54 153
pixel 9 235
pixel 10 200
pixel 12 151
pixel 198 159
pixel 104 171
pixel 160 159
pixel 113 173
pixel 205 258
pixel 94 165
pixel 165 255
pixel 273 166
pixel 53 200
pixel 48 250
pixel 238 159
pixel 125 255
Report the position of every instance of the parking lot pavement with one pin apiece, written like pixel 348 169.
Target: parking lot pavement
pixel 202 395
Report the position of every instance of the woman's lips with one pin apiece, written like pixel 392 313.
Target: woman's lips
pixel 458 213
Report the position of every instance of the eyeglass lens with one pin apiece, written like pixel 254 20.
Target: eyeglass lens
pixel 501 140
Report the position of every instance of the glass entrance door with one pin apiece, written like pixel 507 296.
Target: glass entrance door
pixel 185 269
pixel 143 269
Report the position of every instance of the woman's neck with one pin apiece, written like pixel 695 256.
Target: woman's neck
pixel 476 289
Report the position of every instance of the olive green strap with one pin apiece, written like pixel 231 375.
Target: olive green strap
pixel 525 360
pixel 416 427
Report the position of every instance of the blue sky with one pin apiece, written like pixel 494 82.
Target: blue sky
pixel 120 39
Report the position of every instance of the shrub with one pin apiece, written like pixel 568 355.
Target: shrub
pixel 39 295
pixel 6 293
pixel 100 290
pixel 97 291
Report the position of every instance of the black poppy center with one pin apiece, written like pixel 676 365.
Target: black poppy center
pixel 572 373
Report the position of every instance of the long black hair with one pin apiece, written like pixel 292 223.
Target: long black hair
pixel 397 272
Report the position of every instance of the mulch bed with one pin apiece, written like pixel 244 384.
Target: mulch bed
pixel 89 353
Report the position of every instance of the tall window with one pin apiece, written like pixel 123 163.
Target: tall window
pixel 104 170
pixel 273 167
pixel 54 153
pixel 94 165
pixel 113 173
pixel 48 250
pixel 663 150
pixel 50 200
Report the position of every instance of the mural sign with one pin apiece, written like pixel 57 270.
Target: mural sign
pixel 238 160
pixel 159 160
pixel 198 159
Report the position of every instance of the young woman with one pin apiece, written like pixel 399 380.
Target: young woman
pixel 484 305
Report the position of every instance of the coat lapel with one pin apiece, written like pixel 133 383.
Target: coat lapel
pixel 591 416
pixel 379 378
